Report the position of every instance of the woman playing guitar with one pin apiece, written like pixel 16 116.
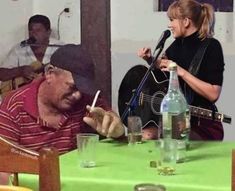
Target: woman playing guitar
pixel 192 25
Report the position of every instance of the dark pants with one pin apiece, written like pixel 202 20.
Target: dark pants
pixel 204 129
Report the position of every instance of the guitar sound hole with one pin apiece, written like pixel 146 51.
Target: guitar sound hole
pixel 155 103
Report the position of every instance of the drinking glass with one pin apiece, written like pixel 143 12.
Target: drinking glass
pixel 86 144
pixel 134 130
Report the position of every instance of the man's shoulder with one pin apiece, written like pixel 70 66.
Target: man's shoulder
pixel 11 104
pixel 14 98
pixel 14 49
pixel 18 97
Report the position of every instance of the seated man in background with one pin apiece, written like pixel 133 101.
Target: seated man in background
pixel 52 109
pixel 27 58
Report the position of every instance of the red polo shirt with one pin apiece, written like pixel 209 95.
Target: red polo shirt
pixel 20 121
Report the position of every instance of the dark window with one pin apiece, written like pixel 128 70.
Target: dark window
pixel 219 5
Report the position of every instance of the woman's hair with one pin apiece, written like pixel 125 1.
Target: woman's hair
pixel 201 14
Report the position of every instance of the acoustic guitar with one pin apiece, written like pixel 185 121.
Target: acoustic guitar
pixel 15 83
pixel 148 103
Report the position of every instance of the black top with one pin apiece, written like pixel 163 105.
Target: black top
pixel 182 51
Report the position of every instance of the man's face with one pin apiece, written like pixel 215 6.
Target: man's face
pixel 64 92
pixel 39 32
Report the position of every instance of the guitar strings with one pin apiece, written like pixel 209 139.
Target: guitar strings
pixel 148 98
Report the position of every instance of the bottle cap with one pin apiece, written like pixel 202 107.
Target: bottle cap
pixel 172 65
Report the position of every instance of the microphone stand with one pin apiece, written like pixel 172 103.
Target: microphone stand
pixel 39 45
pixel 131 105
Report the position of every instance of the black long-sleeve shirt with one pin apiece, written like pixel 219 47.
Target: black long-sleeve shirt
pixel 183 50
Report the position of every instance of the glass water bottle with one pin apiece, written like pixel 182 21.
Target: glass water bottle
pixel 175 114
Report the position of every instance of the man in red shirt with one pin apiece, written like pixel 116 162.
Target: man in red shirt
pixel 53 109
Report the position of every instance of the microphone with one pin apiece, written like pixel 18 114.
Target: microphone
pixel 30 40
pixel 162 39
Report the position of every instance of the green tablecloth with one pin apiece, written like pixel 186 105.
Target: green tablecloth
pixel 120 167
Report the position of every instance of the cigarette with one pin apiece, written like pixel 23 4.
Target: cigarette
pixel 95 99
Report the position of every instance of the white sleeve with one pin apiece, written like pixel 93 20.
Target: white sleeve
pixel 12 59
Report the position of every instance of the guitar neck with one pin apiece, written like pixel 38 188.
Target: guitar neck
pixel 208 114
pixel 194 111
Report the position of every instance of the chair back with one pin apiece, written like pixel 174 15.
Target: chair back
pixel 17 159
pixel 233 170
pixel 13 188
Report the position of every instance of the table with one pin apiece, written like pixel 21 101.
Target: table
pixel 120 167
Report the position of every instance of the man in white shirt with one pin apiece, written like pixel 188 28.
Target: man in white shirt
pixel 24 59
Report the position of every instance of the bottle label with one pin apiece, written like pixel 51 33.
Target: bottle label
pixel 176 126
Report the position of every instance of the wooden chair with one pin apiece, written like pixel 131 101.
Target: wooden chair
pixel 233 170
pixel 13 188
pixel 16 159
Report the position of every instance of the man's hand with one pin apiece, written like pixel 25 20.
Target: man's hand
pixel 106 123
pixel 27 72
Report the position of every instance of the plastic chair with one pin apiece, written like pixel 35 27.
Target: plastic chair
pixel 13 188
pixel 16 159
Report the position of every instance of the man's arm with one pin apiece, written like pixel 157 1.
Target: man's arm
pixel 11 73
pixel 10 67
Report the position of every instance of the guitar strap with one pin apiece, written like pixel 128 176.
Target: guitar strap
pixel 194 68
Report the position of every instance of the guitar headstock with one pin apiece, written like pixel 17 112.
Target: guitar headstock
pixel 226 119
